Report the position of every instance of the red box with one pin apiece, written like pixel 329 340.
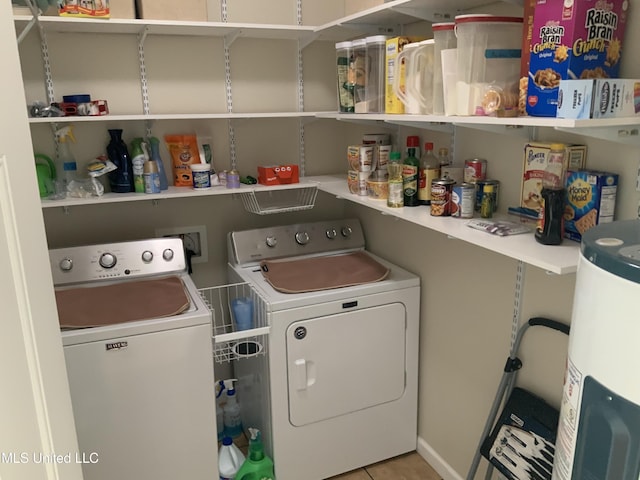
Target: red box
pixel 278 175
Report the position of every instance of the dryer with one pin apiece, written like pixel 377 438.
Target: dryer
pixel 338 389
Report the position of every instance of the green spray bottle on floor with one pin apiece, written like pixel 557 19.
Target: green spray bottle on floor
pixel 257 466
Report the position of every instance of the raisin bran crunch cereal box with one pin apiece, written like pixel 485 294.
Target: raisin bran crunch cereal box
pixel 572 39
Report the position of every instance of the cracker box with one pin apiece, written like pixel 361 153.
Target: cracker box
pixel 535 161
pixel 590 200
pixel 278 175
pixel 579 39
pixel 84 8
pixel 603 98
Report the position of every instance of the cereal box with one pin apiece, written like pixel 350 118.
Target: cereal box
pixel 572 39
pixel 393 48
pixel 591 199
pixel 535 161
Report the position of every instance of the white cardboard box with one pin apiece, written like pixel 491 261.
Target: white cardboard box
pixel 599 98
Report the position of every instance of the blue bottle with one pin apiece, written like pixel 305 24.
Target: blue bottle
pixel 155 156
pixel 121 179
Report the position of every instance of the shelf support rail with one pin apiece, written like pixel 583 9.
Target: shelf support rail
pixel 228 40
pixel 300 75
pixel 44 49
pixel 517 302
pixel 144 86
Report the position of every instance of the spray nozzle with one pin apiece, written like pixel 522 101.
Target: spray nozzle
pixel 254 434
pixel 229 385
pixel 221 385
pixel 64 132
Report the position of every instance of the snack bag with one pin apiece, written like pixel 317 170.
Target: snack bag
pixel 184 152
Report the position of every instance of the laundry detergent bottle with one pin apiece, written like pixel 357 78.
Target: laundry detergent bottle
pixel 257 466
pixel 230 459
pixel 231 411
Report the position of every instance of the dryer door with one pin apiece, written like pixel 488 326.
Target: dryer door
pixel 346 362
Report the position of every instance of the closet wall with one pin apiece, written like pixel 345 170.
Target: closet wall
pixel 467 292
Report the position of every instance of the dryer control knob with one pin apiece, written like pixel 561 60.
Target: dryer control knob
pixel 271 241
pixel 66 264
pixel 346 231
pixel 331 233
pixel 302 238
pixel 167 254
pixel 147 256
pixel 108 260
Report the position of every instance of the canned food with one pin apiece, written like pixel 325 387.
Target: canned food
pixel 353 157
pixel 233 179
pixel 352 181
pixel 463 200
pixel 441 189
pixel 475 169
pixel 366 158
pixel 362 183
pixel 480 189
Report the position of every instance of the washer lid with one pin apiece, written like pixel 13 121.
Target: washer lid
pixel 614 247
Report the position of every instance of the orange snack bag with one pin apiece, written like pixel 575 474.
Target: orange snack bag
pixel 184 152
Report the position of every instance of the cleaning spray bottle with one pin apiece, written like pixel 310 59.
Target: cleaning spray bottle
pixel 66 166
pixel 219 410
pixel 257 465
pixel 231 411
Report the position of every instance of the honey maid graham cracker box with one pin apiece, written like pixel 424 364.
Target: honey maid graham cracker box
pixel 572 39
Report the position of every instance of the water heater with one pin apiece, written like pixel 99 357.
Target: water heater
pixel 599 429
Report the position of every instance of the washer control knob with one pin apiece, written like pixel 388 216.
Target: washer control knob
pixel 167 254
pixel 147 256
pixel 108 260
pixel 66 264
pixel 271 241
pixel 331 233
pixel 346 231
pixel 302 238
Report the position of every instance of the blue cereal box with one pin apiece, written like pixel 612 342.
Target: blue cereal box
pixel 572 39
pixel 591 199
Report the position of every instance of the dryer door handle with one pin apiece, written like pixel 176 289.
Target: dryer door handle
pixel 304 374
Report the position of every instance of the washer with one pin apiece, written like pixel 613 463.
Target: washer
pixel 338 388
pixel 141 390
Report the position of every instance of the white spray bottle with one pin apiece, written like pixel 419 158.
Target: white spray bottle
pixel 66 166
pixel 220 410
pixel 231 411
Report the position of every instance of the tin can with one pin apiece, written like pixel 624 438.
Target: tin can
pixel 441 189
pixel 233 179
pixel 463 199
pixel 479 186
pixel 365 163
pixel 362 183
pixel 475 169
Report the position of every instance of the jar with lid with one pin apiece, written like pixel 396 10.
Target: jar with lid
pixel 358 74
pixel 374 67
pixel 550 227
pixel 345 89
pixel 395 197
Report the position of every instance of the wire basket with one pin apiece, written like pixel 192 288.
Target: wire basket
pixel 265 202
pixel 230 305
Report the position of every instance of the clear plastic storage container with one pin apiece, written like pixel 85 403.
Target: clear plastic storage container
pixel 374 66
pixel 489 49
pixel 345 87
pixel 444 38
pixel 358 74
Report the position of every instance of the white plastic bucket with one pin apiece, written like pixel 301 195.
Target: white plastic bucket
pixel 489 49
pixel 445 38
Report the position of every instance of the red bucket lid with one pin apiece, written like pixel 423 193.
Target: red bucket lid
pixel 486 19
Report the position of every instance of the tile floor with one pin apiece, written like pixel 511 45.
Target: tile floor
pixel 409 466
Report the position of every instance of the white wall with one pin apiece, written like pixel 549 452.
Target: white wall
pixel 467 292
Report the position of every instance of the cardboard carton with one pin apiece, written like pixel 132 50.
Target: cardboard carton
pixel 603 98
pixel 278 175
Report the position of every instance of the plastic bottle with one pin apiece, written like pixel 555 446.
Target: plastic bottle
pixel 155 156
pixel 66 166
pixel 394 168
pixel 429 171
pixel 151 177
pixel 231 411
pixel 219 410
pixel 230 459
pixel 550 228
pixel 410 168
pixel 257 465
pixel 443 157
pixel 121 179
pixel 137 161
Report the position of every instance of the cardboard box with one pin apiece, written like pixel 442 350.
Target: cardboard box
pixel 581 39
pixel 535 161
pixel 603 98
pixel 590 200
pixel 278 175
pixel 184 10
pixel 393 48
pixel 84 8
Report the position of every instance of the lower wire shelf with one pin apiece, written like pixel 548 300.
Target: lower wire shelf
pixel 230 305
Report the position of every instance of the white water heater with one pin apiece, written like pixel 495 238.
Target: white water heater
pixel 599 430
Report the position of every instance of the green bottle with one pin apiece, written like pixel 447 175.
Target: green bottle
pixel 410 171
pixel 257 466
pixel 137 161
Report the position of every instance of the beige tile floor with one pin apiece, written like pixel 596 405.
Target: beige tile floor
pixel 410 466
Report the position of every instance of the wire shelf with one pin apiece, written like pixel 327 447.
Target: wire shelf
pixel 265 202
pixel 228 342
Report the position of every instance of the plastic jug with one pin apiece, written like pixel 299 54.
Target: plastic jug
pixel 417 94
pixel 230 459
pixel 46 172
pixel 257 466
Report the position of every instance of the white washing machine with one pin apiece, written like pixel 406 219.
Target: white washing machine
pixel 338 389
pixel 599 428
pixel 137 346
